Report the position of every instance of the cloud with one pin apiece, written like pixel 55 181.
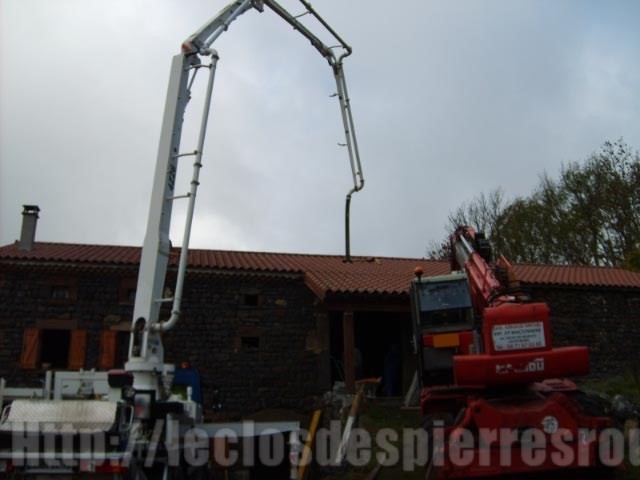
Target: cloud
pixel 449 99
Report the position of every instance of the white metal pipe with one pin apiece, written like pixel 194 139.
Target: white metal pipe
pixel 352 130
pixel 48 377
pixel 352 147
pixel 182 266
pixel 318 44
pixel 322 21
pixel 197 42
pixel 337 73
pixel 244 6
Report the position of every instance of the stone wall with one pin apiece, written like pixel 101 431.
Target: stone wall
pixel 605 320
pixel 26 301
pixel 262 340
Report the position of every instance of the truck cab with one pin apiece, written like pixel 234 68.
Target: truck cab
pixel 443 318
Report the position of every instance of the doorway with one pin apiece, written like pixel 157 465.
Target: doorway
pixel 383 349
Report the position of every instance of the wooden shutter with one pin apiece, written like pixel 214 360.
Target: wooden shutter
pixel 30 348
pixel 77 349
pixel 107 349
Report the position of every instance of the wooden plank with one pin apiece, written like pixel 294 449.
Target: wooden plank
pixel 412 394
pixel 348 331
pixel 373 474
pixel 346 435
pixel 306 453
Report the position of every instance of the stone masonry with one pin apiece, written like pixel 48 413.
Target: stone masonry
pixel 261 339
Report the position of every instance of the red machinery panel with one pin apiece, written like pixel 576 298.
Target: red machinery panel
pixel 512 327
pixel 487 369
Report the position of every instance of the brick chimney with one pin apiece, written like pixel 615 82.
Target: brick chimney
pixel 29 222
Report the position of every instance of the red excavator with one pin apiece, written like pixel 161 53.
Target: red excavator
pixel 494 400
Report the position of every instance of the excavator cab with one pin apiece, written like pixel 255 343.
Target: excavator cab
pixel 443 322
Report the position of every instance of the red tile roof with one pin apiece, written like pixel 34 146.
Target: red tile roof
pixel 324 273
pixel 577 275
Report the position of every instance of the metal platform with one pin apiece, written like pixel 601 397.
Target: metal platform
pixel 58 416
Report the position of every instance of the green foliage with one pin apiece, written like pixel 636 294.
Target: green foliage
pixel 632 262
pixel 626 384
pixel 590 215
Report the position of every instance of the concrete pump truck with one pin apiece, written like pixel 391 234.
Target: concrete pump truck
pixel 143 420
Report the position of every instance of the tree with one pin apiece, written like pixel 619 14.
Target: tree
pixel 590 215
pixel 482 213
pixel 603 199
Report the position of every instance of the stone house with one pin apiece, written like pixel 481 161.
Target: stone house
pixel 270 330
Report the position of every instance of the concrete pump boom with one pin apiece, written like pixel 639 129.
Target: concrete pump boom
pixel 146 356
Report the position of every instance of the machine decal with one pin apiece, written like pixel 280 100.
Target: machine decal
pixel 550 424
pixel 535 365
pixel 518 336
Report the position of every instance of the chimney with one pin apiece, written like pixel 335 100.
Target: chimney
pixel 29 222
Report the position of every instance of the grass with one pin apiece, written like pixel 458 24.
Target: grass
pixel 374 417
pixel 626 384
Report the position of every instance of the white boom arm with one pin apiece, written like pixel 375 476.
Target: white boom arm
pixel 146 356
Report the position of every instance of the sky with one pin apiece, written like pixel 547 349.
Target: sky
pixel 450 99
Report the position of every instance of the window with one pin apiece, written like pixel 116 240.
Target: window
pixel 250 343
pixel 54 352
pixel 53 348
pixel 62 290
pixel 127 291
pixel 59 292
pixel 248 339
pixel 250 300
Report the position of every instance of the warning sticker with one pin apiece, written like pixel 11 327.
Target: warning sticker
pixel 518 336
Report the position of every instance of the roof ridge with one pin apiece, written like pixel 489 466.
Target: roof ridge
pixel 75 244
pixel 255 252
pixel 327 272
pixel 365 258
pixel 571 265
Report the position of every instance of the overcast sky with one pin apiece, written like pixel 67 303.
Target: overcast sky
pixel 450 98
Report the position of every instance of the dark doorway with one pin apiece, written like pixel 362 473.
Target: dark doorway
pixel 379 339
pixel 55 348
pixel 379 336
pixel 122 349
